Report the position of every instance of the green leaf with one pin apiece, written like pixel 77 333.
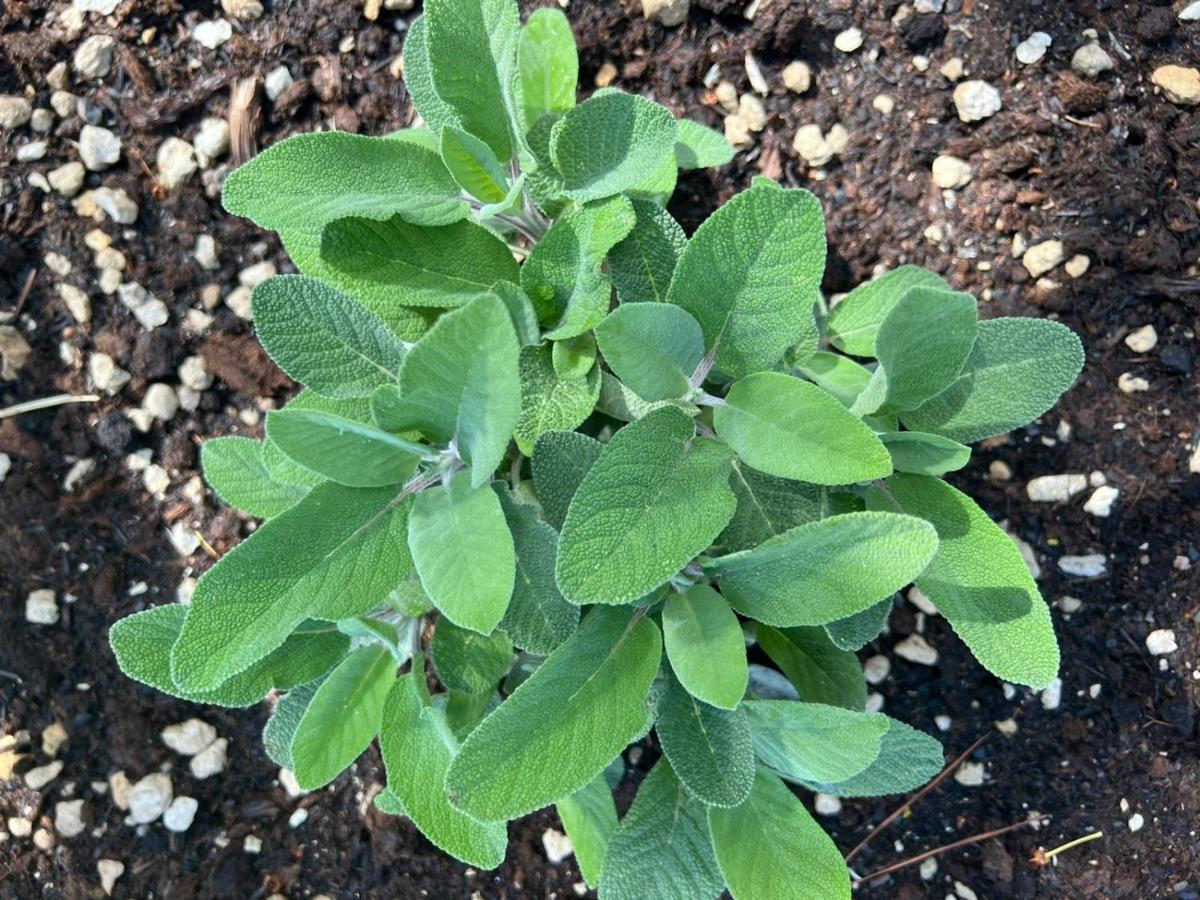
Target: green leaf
pixel 418 78
pixel 655 499
pixel 520 309
pixel 924 454
pixel 460 383
pixel 463 551
pixel 418 748
pixel 395 262
pixel 698 147
pixel 813 741
pixel 389 804
pixel 280 465
pixel 856 631
pixel 653 347
pixel 836 375
pixel 923 343
pixel 662 848
pixel 548 66
pixel 343 716
pixel 1017 370
pixel 285 719
pixel 465 711
pixel 619 402
pixel 323 339
pixel 708 748
pixel 642 264
pixel 589 817
pixel 234 469
pixel 819 670
pixel 342 450
pixel 770 847
pixel 538 619
pixel 473 165
pixel 980 583
pixel 550 402
pixel 608 143
pixel 791 428
pixel 560 461
pixel 854 323
pixel 657 185
pixel 705 646
pixel 472 50
pixel 562 726
pixel 469 662
pixel 563 276
pixel 826 570
pixel 907 759
pixel 306 181
pixel 295 567
pixel 766 506
pixel 574 357
pixel 751 275
pixel 142 644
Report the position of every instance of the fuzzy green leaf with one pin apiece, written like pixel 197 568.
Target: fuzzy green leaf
pixel 854 323
pixel 826 570
pixel 698 147
pixel 295 567
pixel 608 143
pixel 837 375
pixel 589 817
pixel 285 719
pixel 907 759
pixel 560 461
pixel 656 498
pixel 923 343
pixel 520 309
pixel 473 165
pixel 642 264
pixel 1017 369
pixel 342 450
pixel 791 428
pixel 343 716
pixel 705 646
pixel 708 748
pixel 619 402
pixel 751 274
pixel 653 347
pixel 767 506
pixel 464 553
pixel 309 180
pixel 281 466
pixel 561 727
pixel 547 65
pixel 550 402
pixel 924 454
pixel 324 339
pixel 813 741
pixel 418 78
pixel 819 670
pixel 856 631
pixel 234 469
pixel 469 662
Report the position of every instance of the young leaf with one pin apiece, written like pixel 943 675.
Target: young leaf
pixel 460 383
pixel 907 759
pixel 812 741
pixel 826 570
pixel 1017 369
pixel 520 309
pixel 295 567
pixel 698 147
pixel 856 631
pixel 548 66
pixel 662 848
pixel 653 347
pixel 469 662
pixel 620 403
pixel 980 583
pixel 705 646
pixel 562 726
pixel 770 847
pixel 767 506
pixel 924 454
pixel 589 818
pixel 285 719
pixel 306 181
pixel 234 469
pixel 563 274
pixel 323 339
pixel 418 748
pixel 472 46
pixel 642 264
pixel 560 461
pixel 608 143
pixel 395 262
pixel 923 343
pixel 837 375
pixel 463 551
pixel 342 450
pixel 708 748
pixel 751 274
pixel 819 670
pixel 655 499
pixel 854 323
pixel 343 716
pixel 280 466
pixel 791 428
pixel 550 402
pixel 418 78
pixel 473 165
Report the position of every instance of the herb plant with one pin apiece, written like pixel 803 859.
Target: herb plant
pixel 568 469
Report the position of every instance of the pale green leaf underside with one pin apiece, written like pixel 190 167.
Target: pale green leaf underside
pixel 342 450
pixel 924 454
pixel 418 78
pixel 285 719
pixel 473 165
pixel 907 759
pixel 856 631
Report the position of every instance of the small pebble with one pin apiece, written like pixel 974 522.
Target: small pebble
pixel 109 870
pixel 1180 84
pixel 1052 695
pixel 976 101
pixel 19 827
pixel 849 40
pixel 797 76
pixel 1128 383
pixel 180 814
pixel 827 804
pixel 14 111
pixel 1091 60
pixel 212 34
pixel 1161 642
pixel 884 103
pixel 952 69
pixel 754 75
pixel 1033 48
pixel 105 374
pixel 149 798
pixel 99 148
pixel 31 152
pixel 1101 502
pixel 1041 258
pixel 68 818
pixel 43 840
pixel 93 58
pixel 970 774
pixel 811 145
pixel 1136 821
pixel 1091 565
pixel 287 779
pixel 557 846
pixel 950 172
pixel 277 81
pixel 146 308
pixel 929 869
pixel 1077 265
pixel 211 141
pixel 67 179
pixel 252 844
pixel 876 669
pixel 176 162
pixel 54 736
pixel 190 737
pixel 211 760
pixel 298 818
pixel 1055 488
pixel 917 650
pixel 194 374
pixel 943 722
pixel 38 778
pixel 1143 340
pixel 253 276
pixel 41 608
pixel 1191 12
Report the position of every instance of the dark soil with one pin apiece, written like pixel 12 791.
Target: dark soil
pixel 1110 168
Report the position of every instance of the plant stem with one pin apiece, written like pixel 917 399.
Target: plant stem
pixel 46 403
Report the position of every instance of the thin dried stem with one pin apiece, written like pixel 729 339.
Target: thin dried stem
pixel 29 406
pixel 938 851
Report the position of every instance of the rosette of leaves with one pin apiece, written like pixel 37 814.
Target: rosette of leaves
pixel 559 472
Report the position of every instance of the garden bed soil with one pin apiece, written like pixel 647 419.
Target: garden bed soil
pixel 1111 170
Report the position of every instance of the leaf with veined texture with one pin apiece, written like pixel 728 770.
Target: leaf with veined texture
pixel 709 748
pixel 343 450
pixel 652 347
pixel 907 759
pixel 767 506
pixel 644 261
pixel 699 147
pixel 467 661
pixel 705 646
pixel 923 343
pixel 550 402
pixel 924 454
pixel 854 323
pixel 812 741
pixel 589 817
pixel 560 461
pixel 473 165
pixel 819 670
pixel 418 79
pixel 234 469
pixel 548 66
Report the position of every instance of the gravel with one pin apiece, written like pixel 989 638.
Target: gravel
pixel 970 774
pixel 41 607
pixel 146 308
pixel 916 649
pixel 38 778
pixel 1091 60
pixel 1180 84
pixel 176 162
pixel 109 871
pixel 68 818
pixel 180 814
pixel 849 40
pixel 1033 48
pixel 557 846
pixel 1101 502
pixel 14 111
pixel 212 34
pixel 160 401
pixel 105 374
pixel 797 76
pixel 210 760
pixel 99 148
pixel 1055 488
pixel 94 57
pixel 194 374
pixel 149 798
pixel 1041 258
pixel 827 804
pixel 950 172
pixel 1161 642
pixel 113 202
pixel 278 80
pixel 976 100
pixel 67 179
pixel 669 12
pixel 211 141
pixel 31 152
pixel 190 737
pixel 1091 565
pixel 1143 340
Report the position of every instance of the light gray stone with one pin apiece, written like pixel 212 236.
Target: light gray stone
pixel 976 100
pixel 14 111
pixel 176 162
pixel 149 798
pixel 99 148
pixel 41 608
pixel 93 58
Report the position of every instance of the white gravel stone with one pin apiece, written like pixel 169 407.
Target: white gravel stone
pixel 976 100
pixel 149 798
pixel 176 162
pixel 77 302
pixel 109 870
pixel 1090 565
pixel 113 202
pixel 1128 383
pixel 1143 340
pixel 54 736
pixel 287 779
pixel 180 814
pixel 160 401
pixel 1161 642
pixel 849 40
pixel 298 817
pixel 669 12
pixel 884 103
pixel 1041 258
pixel 1190 13
pixel 797 76
pixel 950 172
pixel 752 112
pixel 210 760
pixel 14 352
pixel 838 138
pixel 1101 502
pixel 31 152
pixel 146 308
pixel 5 466
pixel 1077 265
pixel 876 669
pixel 557 846
pixel 211 141
pixel 194 374
pixel 827 804
pixel 19 827
pixel 929 868
pixel 212 34
pixel 183 539
pixel 68 818
pixel 754 74
pixel 14 111
pixel 277 81
pixel 190 737
pixel 93 58
pixel 1055 488
pixel 1136 822
pixel 737 132
pixel 67 179
pixel 1052 695
pixel 63 103
pixel 80 470
pixel 252 844
pixel 1033 48
pixel 1180 84
pixel 917 650
pixel 105 374
pixel 1194 460
pixel 253 276
pixel 41 607
pixel 38 778
pixel 810 143
pixel 943 722
pixel 970 774
pixel 252 9
pixel 1091 60
pixel 99 148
